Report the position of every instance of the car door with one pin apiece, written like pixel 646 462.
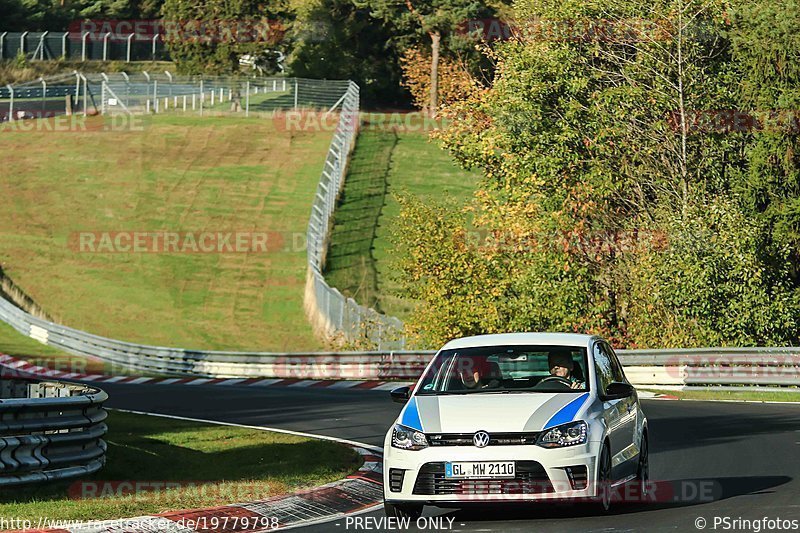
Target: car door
pixel 627 463
pixel 614 411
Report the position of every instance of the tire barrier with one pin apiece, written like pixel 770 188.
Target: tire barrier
pixel 50 431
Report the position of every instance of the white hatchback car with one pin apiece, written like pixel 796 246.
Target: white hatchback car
pixel 516 417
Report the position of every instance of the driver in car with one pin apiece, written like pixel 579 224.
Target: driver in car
pixel 561 366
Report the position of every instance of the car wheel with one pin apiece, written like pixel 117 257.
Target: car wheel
pixel 643 473
pixel 602 502
pixel 410 511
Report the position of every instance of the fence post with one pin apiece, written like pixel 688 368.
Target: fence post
pixel 44 96
pixel 105 45
pixel 85 95
pixel 155 38
pixel 295 94
pixel 77 89
pixel 155 96
pixel 128 52
pixel 64 44
pixel 169 75
pixel 11 103
pixel 83 45
pixel 41 45
pixel 147 95
pixel 127 88
pixel 2 44
pixel 247 99
pixel 22 42
pixel 202 97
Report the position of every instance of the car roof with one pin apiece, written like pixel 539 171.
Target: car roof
pixel 511 339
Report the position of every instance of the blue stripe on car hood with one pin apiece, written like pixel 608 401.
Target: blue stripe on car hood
pixel 567 413
pixel 410 416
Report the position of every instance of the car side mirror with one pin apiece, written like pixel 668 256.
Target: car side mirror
pixel 401 394
pixel 618 390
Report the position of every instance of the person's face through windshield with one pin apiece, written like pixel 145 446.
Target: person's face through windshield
pixel 561 365
pixel 470 372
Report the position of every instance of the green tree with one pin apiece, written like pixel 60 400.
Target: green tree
pixel 219 52
pixel 434 20
pixel 336 39
pixel 595 166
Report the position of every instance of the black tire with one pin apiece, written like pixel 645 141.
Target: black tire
pixel 411 511
pixel 643 471
pixel 602 501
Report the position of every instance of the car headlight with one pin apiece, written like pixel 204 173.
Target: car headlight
pixel 406 438
pixel 564 435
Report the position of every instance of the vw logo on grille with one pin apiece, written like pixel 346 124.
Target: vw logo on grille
pixel 481 439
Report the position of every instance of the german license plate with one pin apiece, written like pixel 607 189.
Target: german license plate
pixel 480 470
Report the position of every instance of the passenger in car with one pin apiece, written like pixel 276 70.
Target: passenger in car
pixel 481 374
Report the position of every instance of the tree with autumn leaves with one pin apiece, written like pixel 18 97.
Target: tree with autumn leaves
pixel 619 196
pixel 434 23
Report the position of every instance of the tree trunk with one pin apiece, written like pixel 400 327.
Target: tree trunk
pixel 436 37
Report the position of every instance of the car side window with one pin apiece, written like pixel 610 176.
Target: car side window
pixel 603 368
pixel 616 366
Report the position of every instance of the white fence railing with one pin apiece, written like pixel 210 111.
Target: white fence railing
pixel 83 46
pixel 164 92
pixel 333 315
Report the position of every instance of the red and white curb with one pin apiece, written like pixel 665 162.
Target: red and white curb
pixel 24 368
pixel 649 395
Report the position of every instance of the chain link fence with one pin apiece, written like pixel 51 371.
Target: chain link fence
pixel 333 315
pixel 82 46
pixel 79 93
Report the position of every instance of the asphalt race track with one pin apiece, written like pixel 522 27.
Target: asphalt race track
pixel 734 460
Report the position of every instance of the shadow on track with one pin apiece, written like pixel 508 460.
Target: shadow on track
pixel 668 495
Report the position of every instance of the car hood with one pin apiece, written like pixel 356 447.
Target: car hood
pixel 468 413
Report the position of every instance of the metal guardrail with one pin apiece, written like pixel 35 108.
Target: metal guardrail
pixel 761 367
pixel 50 431
pixel 333 315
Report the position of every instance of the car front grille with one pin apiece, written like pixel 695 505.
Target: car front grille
pixel 531 478
pixel 495 439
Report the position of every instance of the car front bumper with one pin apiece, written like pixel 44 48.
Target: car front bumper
pixel 542 474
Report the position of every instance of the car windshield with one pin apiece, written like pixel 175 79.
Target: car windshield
pixel 506 369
